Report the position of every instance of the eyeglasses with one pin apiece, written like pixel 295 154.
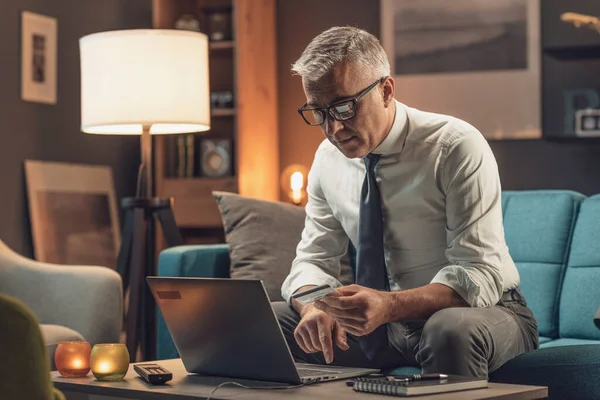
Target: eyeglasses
pixel 341 111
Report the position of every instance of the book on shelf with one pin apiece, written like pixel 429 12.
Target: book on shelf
pixel 194 156
pixel 190 150
pixel 180 156
pixel 389 386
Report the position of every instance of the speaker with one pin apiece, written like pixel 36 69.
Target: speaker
pixel 215 158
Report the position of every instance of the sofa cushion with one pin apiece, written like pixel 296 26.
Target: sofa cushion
pixel 568 342
pixel 262 237
pixel 580 296
pixel 544 339
pixel 200 261
pixel 538 226
pixel 569 372
pixel 53 335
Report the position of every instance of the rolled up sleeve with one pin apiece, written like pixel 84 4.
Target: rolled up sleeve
pixel 475 236
pixel 322 245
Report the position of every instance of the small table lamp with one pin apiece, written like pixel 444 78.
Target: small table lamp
pixel 144 82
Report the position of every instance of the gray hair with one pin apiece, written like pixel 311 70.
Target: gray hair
pixel 340 44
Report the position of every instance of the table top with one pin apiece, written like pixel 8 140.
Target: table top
pixel 185 386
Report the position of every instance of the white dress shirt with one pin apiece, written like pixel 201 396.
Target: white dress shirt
pixel 441 203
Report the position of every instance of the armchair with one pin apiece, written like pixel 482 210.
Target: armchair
pixel 70 302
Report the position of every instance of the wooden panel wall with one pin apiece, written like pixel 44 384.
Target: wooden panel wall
pixel 258 139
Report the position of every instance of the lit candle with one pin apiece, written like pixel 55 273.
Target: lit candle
pixel 296 184
pixel 109 362
pixel 72 359
pixel 293 183
pixel 104 367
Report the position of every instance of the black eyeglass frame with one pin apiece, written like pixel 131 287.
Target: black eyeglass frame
pixel 329 110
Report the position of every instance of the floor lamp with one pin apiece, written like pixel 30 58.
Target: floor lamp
pixel 144 82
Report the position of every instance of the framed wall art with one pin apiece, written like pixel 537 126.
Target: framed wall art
pixel 477 60
pixel 73 213
pixel 38 58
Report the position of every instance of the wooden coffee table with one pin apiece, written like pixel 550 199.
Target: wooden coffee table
pixel 186 386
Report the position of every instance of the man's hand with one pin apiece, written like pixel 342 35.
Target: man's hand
pixel 315 330
pixel 358 310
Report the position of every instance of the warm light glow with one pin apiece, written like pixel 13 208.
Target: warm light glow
pixel 296 196
pixel 296 183
pixel 293 183
pixel 144 77
pixel 104 366
pixel 155 129
pixel 297 180
pixel 109 361
pixel 72 358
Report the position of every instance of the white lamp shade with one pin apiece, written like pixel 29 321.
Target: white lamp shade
pixel 144 77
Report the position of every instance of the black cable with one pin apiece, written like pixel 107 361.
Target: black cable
pixel 254 387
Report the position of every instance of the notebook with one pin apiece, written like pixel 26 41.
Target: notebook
pixel 416 388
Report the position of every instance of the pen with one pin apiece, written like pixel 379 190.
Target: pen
pixel 417 377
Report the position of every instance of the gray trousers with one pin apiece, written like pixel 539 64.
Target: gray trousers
pixel 460 340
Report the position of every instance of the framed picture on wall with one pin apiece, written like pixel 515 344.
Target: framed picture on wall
pixel 477 60
pixel 38 58
pixel 73 213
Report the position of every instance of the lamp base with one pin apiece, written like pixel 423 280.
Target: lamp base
pixel 136 261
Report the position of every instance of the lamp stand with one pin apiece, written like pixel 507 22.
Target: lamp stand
pixel 137 254
pixel 146 157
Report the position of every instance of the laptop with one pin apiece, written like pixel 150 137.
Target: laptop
pixel 227 327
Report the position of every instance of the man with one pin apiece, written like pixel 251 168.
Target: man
pixel 418 194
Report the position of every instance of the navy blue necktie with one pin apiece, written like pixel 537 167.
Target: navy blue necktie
pixel 370 260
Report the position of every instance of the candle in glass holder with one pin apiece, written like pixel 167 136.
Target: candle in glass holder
pixel 72 359
pixel 109 362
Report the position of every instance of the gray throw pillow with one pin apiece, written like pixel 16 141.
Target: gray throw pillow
pixel 262 237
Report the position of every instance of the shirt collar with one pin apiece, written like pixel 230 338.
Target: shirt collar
pixel 394 141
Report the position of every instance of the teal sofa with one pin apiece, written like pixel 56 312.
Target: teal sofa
pixel 554 238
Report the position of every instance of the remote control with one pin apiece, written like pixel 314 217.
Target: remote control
pixel 154 374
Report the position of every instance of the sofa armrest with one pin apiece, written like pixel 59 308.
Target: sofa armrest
pixel 86 299
pixel 202 261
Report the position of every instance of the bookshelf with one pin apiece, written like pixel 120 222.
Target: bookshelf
pixel 222 113
pixel 244 65
pixel 226 44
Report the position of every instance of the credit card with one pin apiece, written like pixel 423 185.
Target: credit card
pixel 314 294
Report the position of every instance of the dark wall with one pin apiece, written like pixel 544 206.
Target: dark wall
pixel 548 164
pixel 52 132
pixel 570 66
pixel 529 164
pixel 297 23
